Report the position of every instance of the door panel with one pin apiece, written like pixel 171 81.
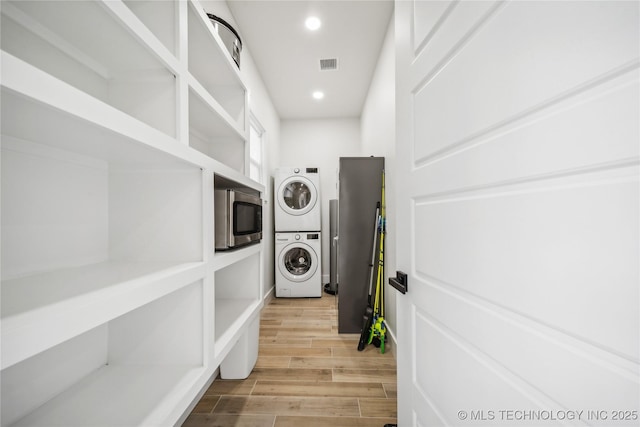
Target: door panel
pixel 458 362
pixel 536 359
pixel 493 78
pixel 548 143
pixel 441 29
pixel 518 211
pixel 528 248
pixel 428 17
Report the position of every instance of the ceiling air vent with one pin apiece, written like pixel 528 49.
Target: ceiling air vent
pixel 328 64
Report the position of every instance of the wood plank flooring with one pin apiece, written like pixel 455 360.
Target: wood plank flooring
pixel 307 375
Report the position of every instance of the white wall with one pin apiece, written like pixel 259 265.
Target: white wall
pixel 262 108
pixel 378 139
pixel 320 143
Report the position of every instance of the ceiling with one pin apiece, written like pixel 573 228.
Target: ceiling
pixel 288 55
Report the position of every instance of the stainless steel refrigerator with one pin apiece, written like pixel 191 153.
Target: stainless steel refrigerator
pixel 359 191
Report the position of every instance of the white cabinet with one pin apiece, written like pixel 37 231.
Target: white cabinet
pixel 116 116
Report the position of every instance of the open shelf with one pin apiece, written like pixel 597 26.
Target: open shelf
pixel 89 241
pixel 237 296
pixel 224 259
pixel 212 131
pixel 160 17
pixel 83 199
pixel 43 310
pixel 132 370
pixel 231 314
pixel 123 66
pixel 243 184
pixel 144 385
pixel 206 54
pixel 41 108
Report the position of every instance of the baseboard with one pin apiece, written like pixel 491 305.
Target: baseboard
pixel 269 295
pixel 394 342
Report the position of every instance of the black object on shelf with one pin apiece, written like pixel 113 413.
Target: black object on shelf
pixel 229 36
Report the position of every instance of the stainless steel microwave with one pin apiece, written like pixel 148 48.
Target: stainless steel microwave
pixel 238 219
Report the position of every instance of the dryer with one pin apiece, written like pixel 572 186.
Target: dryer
pixel 298 270
pixel 297 191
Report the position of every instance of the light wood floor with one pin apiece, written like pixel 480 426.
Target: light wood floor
pixel 307 375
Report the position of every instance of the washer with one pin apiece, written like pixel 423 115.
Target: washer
pixel 298 272
pixel 298 193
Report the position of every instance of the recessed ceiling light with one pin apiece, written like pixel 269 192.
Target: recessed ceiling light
pixel 313 23
pixel 317 94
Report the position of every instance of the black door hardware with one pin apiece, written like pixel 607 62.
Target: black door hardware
pixel 400 282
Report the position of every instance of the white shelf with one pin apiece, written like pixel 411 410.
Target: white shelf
pixel 136 369
pixel 231 314
pixel 40 108
pixel 152 25
pixel 223 259
pixel 143 395
pixel 234 179
pixel 212 131
pixel 160 18
pixel 46 309
pixel 122 63
pixel 237 293
pixel 208 117
pixel 207 53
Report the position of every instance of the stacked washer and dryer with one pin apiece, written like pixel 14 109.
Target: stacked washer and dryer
pixel 298 240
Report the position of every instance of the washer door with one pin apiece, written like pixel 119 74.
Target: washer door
pixel 297 195
pixel 297 262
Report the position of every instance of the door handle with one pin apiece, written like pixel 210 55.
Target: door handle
pixel 400 282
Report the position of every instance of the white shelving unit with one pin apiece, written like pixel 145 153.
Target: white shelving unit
pixel 116 116
pixel 218 94
pixel 236 299
pixel 128 371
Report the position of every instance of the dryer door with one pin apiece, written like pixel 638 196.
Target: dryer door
pixel 297 195
pixel 298 262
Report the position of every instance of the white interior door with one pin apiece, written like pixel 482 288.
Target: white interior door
pixel 518 219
